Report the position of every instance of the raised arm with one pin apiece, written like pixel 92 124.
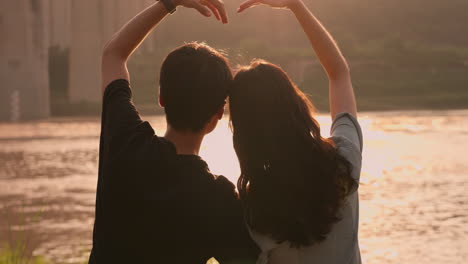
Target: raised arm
pixel 131 35
pixel 340 87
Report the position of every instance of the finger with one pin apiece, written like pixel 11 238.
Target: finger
pixel 221 10
pixel 213 9
pixel 246 4
pixel 202 9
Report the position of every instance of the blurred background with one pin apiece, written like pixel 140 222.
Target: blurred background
pixel 409 62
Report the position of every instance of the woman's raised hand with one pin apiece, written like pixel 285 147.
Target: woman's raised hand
pixel 272 3
pixel 204 7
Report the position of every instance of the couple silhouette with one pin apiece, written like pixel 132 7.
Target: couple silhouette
pixel 158 202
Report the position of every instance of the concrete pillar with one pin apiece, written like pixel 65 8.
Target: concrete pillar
pixel 108 14
pixel 24 60
pixel 85 51
pixel 60 23
pixel 93 23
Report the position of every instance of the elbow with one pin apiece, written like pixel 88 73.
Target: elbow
pixel 110 53
pixel 341 71
pixel 345 70
pixel 106 52
pixel 107 48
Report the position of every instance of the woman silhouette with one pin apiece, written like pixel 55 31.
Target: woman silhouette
pixel 299 190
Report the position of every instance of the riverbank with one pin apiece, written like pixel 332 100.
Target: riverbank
pixel 369 104
pixel 378 87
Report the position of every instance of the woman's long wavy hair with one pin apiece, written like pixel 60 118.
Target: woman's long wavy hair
pixel 293 182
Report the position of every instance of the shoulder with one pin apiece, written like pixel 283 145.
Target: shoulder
pixel 347 136
pixel 346 146
pixel 351 152
pixel 225 187
pixel 224 197
pixel 347 126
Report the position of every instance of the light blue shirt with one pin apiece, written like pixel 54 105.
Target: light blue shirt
pixel 341 245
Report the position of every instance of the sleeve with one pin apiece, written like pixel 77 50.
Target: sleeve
pixel 234 244
pixel 347 135
pixel 119 114
pixel 347 126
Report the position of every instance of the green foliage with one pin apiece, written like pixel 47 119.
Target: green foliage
pixel 18 249
pixel 18 255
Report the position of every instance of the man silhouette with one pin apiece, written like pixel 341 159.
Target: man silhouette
pixel 157 201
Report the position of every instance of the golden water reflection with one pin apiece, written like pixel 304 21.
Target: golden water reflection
pixel 413 192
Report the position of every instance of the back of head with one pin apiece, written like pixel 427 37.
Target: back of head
pixel 293 182
pixel 194 82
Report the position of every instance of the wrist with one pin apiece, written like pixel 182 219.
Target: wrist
pixel 169 5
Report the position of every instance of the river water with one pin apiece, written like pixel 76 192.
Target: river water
pixel 413 191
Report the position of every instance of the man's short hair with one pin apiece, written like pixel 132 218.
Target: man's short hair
pixel 194 83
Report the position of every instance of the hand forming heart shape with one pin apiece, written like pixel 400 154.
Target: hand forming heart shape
pixel 219 11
